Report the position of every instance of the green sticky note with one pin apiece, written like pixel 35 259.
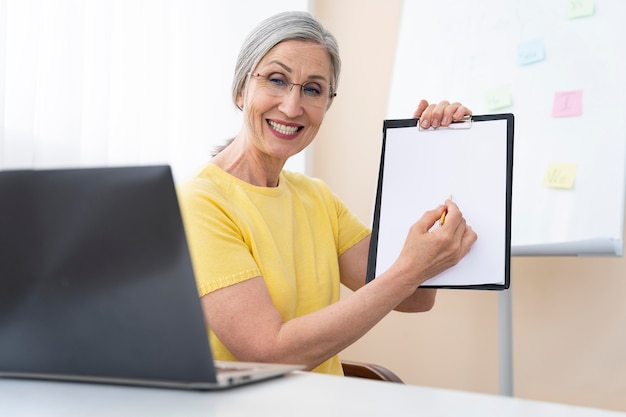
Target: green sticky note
pixel 579 8
pixel 498 98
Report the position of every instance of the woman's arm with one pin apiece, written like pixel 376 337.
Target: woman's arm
pixel 353 263
pixel 247 323
pixel 245 320
pixel 353 266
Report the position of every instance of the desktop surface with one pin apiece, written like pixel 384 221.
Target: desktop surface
pixel 300 393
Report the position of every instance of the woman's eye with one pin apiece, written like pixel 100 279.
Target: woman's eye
pixel 277 79
pixel 312 89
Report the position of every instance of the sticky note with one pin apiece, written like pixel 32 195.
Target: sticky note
pixel 530 52
pixel 560 176
pixel 568 104
pixel 498 98
pixel 579 8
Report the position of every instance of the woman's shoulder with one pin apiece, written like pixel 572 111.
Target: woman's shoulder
pixel 208 182
pixel 303 181
pixel 209 177
pixel 311 188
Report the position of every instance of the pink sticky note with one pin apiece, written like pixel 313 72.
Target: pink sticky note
pixel 568 104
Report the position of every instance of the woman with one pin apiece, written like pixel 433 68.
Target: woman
pixel 270 247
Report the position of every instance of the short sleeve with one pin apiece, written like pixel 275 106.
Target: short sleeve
pixel 219 254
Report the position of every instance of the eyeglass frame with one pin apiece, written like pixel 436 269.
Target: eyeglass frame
pixel 331 93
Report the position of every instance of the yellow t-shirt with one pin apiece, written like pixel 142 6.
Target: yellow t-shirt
pixel 291 235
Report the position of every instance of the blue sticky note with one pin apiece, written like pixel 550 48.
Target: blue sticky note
pixel 530 52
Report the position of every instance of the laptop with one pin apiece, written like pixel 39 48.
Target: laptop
pixel 96 283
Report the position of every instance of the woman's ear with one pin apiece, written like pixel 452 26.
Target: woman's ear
pixel 239 101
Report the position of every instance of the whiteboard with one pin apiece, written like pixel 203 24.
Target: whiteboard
pixel 559 67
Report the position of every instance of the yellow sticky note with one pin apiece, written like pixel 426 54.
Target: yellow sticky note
pixel 560 176
pixel 579 8
pixel 498 98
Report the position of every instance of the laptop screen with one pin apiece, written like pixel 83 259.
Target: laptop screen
pixel 95 276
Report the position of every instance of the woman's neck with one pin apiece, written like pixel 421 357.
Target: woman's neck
pixel 245 163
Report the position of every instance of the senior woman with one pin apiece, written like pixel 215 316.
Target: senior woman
pixel 270 248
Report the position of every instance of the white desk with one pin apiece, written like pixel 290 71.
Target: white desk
pixel 299 394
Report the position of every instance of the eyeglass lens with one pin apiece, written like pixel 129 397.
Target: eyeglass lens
pixel 313 92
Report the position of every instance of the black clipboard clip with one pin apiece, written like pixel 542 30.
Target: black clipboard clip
pixel 464 122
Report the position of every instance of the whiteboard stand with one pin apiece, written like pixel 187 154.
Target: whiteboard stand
pixel 505 342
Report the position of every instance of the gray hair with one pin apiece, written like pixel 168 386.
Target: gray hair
pixel 276 29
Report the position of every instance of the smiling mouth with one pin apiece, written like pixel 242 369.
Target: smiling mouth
pixel 283 129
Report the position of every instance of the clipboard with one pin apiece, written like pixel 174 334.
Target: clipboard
pixel 472 160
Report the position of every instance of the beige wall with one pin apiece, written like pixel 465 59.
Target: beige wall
pixel 569 314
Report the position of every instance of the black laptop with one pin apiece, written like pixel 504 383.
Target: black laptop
pixel 96 282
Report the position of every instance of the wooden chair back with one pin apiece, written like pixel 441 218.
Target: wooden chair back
pixel 369 371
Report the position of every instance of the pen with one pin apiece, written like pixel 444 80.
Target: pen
pixel 442 219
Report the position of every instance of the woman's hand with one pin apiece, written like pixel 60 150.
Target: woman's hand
pixel 426 254
pixel 441 114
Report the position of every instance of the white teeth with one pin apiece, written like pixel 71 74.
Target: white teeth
pixel 285 130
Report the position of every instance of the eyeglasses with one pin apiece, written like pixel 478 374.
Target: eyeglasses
pixel 314 93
